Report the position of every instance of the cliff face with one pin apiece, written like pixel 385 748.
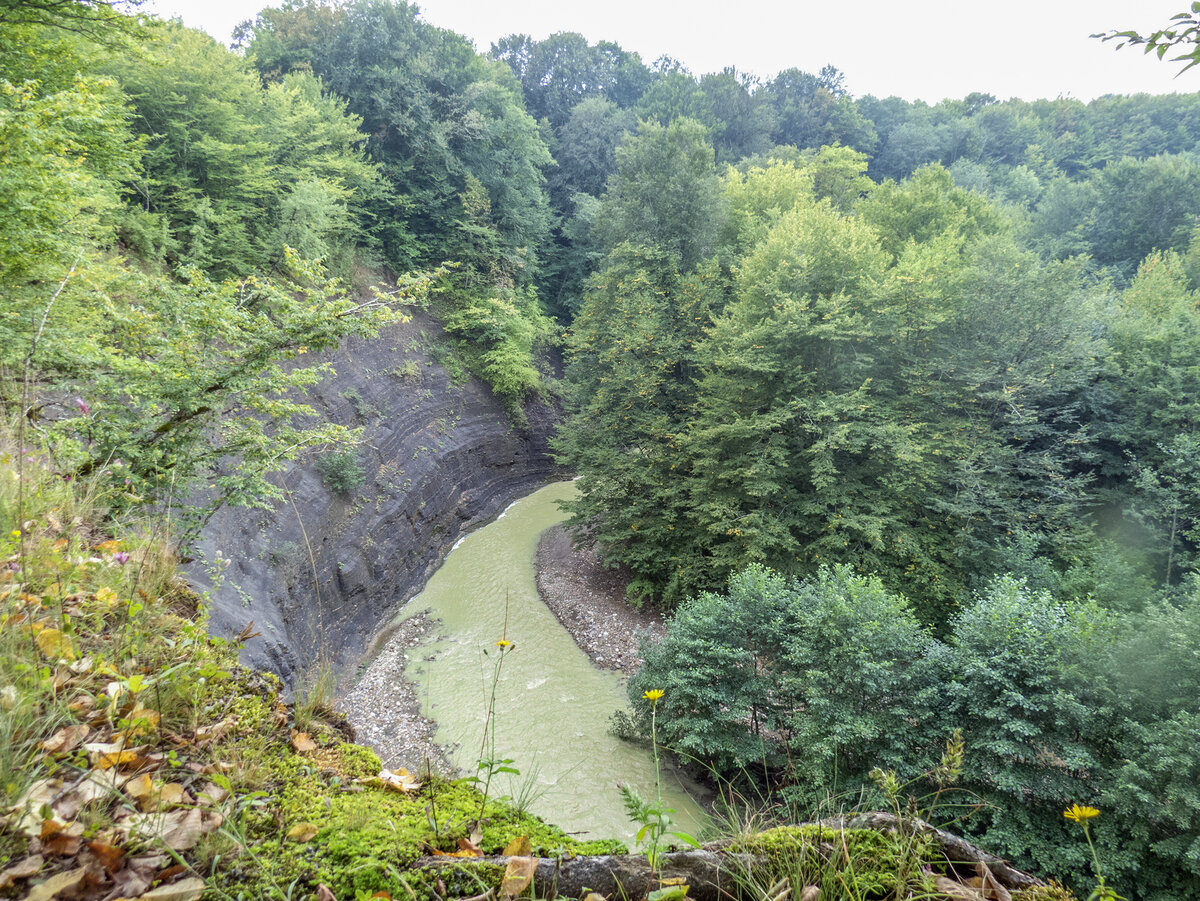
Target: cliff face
pixel 321 572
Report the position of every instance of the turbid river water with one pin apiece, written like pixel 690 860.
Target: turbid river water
pixel 552 707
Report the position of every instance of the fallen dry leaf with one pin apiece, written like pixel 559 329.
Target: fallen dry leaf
pixel 66 739
pixel 112 859
pixel 302 743
pixel 130 759
pixel 992 889
pixel 139 786
pixel 518 847
pixel 179 830
pixel 61 839
pixel 30 866
pixel 44 891
pixel 217 731
pixel 213 793
pixel 517 876
pixel 29 806
pixel 171 794
pixel 189 889
pixel 956 890
pixel 401 781
pixel 55 645
pixel 325 893
pixel 302 832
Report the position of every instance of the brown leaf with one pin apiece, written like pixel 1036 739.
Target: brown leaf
pixel 992 889
pixel 61 839
pixel 66 739
pixel 302 743
pixel 189 889
pixel 325 893
pixel 246 634
pixel 30 866
pixel 216 731
pixel 132 881
pixel 302 832
pixel 517 876
pixel 811 893
pixel 170 873
pixel 212 793
pixel 51 888
pixel 177 829
pixel 518 847
pixel 98 785
pixel 956 890
pixel 112 859
pixel 467 848
pixel 29 806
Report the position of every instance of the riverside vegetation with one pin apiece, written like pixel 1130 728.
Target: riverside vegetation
pixel 892 406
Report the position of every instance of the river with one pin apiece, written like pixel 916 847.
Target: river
pixel 552 706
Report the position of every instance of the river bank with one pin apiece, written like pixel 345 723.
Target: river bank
pixel 589 600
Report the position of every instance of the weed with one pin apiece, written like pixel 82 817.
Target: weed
pixel 314 696
pixel 1083 815
pixel 655 819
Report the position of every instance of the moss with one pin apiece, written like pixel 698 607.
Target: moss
pixel 357 762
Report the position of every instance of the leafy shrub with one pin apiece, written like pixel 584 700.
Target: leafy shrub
pixel 811 683
pixel 341 471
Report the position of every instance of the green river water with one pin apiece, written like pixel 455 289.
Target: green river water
pixel 552 705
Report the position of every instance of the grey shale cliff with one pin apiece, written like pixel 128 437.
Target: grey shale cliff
pixel 320 573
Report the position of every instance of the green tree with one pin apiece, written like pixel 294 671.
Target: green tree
pixel 631 372
pixel 664 194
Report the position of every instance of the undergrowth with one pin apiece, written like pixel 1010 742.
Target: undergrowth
pixel 137 755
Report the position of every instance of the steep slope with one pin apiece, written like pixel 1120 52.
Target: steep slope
pixel 319 573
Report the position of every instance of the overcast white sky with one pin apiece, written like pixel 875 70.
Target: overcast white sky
pixel 917 49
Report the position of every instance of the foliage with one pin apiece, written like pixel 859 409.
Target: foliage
pixel 1183 34
pixel 233 171
pixel 131 735
pixel 664 194
pixel 462 161
pixel 801 687
pixel 341 471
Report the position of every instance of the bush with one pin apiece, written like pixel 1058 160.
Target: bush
pixel 824 676
pixel 341 471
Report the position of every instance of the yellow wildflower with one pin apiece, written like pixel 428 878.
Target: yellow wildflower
pixel 1080 813
pixel 504 643
pixel 653 695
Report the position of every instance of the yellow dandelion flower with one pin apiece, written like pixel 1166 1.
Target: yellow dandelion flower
pixel 504 643
pixel 653 695
pixel 16 533
pixel 1080 813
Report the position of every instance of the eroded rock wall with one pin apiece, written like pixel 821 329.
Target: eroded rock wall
pixel 322 572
